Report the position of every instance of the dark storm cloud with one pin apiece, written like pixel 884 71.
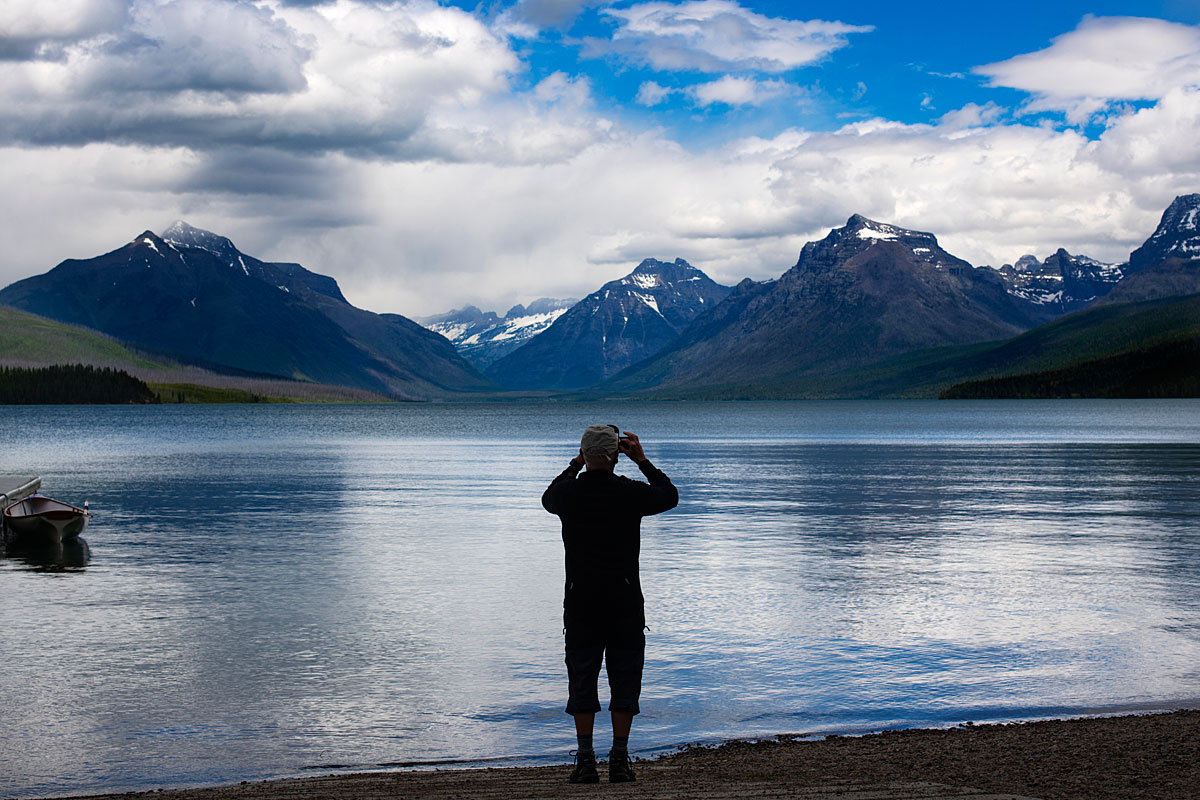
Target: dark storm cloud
pixel 264 172
pixel 164 126
pixel 547 13
pixel 19 49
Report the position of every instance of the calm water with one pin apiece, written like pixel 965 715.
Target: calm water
pixel 276 590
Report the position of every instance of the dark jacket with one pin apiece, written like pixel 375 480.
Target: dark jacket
pixel 601 515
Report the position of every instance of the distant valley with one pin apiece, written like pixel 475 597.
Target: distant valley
pixel 482 337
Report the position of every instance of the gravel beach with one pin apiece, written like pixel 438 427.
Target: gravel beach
pixel 1135 756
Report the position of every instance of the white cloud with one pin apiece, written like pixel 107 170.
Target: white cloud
pixel 651 94
pixel 350 76
pixel 994 192
pixel 1155 148
pixel 972 115
pixel 719 35
pixel 195 45
pixel 559 87
pixel 1105 59
pixel 39 28
pixel 735 91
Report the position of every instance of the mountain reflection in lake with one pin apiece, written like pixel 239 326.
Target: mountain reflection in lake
pixel 277 588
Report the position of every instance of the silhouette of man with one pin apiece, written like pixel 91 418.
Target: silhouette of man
pixel 603 609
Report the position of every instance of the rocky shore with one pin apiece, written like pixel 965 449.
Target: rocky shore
pixel 1150 756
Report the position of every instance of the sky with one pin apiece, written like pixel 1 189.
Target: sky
pixel 432 155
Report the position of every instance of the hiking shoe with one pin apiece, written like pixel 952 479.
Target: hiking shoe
pixel 619 768
pixel 585 768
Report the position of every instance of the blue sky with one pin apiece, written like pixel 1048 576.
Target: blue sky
pixel 429 155
pixel 913 62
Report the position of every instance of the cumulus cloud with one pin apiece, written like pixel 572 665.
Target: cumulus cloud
pixel 729 90
pixel 39 29
pixel 559 87
pixel 1105 59
pixel 352 77
pixel 528 18
pixel 996 191
pixel 990 192
pixel 972 115
pixel 193 45
pixel 718 36
pixel 651 93
pixel 735 91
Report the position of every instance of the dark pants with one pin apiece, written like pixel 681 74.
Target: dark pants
pixel 610 628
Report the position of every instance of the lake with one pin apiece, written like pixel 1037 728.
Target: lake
pixel 279 590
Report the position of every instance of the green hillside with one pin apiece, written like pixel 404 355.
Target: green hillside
pixel 31 340
pixel 27 340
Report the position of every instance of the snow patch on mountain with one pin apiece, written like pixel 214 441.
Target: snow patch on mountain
pixel 873 233
pixel 649 300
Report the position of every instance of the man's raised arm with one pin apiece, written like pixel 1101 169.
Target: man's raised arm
pixel 567 474
pixel 661 495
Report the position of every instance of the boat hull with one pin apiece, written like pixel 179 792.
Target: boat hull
pixel 42 519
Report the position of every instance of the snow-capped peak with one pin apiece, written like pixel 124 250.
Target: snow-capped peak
pixel 181 233
pixel 863 228
pixel 870 229
pixel 1180 217
pixel 148 238
pixel 483 337
pixel 1177 235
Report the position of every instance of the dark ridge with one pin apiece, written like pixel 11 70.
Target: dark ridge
pixel 1168 370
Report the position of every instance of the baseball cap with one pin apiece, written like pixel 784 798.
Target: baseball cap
pixel 599 441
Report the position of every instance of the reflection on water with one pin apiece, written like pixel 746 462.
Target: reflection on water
pixel 69 555
pixel 273 589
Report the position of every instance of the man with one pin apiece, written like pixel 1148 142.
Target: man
pixel 603 608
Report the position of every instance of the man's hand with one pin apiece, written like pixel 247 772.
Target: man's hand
pixel 631 447
pixel 578 459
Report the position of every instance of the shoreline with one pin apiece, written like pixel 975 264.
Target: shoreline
pixel 1153 755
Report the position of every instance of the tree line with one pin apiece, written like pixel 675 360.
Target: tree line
pixel 71 383
pixel 1171 369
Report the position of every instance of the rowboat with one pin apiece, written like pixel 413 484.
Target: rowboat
pixel 46 519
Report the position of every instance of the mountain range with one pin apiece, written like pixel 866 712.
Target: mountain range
pixel 871 309
pixel 621 323
pixel 866 291
pixel 874 310
pixel 1062 281
pixel 194 296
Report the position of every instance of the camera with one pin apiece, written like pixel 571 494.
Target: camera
pixel 622 441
